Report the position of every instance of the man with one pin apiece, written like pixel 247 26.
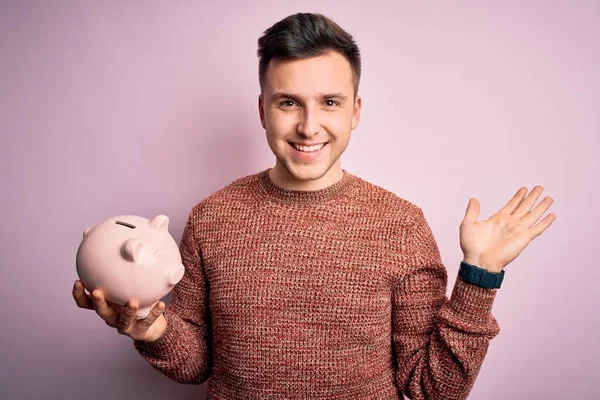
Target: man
pixel 305 281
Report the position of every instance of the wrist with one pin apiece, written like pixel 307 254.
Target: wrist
pixel 478 262
pixel 481 277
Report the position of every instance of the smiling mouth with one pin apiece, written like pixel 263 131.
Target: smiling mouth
pixel 308 149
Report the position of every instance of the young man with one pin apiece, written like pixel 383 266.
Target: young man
pixel 305 281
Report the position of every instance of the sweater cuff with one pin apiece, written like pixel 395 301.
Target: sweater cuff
pixel 163 346
pixel 472 304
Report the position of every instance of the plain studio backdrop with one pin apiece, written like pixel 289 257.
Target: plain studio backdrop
pixel 147 107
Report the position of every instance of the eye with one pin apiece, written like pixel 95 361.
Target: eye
pixel 287 103
pixel 331 103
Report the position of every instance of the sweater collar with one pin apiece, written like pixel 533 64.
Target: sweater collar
pixel 298 197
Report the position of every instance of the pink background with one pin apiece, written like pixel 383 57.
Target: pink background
pixel 142 107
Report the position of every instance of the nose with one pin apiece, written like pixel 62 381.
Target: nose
pixel 309 125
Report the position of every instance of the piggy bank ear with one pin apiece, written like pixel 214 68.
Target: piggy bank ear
pixel 131 249
pixel 86 232
pixel 160 223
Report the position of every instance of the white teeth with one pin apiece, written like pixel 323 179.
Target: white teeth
pixel 308 149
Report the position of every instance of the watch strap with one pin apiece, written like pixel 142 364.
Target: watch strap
pixel 480 277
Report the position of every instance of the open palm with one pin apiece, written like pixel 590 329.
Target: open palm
pixel 494 243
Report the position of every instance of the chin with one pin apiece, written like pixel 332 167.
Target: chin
pixel 307 172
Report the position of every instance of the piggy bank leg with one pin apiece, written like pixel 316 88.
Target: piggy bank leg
pixel 143 312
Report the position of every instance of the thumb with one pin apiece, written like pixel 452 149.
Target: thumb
pixel 472 212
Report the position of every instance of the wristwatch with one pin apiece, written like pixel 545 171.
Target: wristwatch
pixel 479 276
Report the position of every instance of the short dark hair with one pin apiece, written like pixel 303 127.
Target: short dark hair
pixel 305 35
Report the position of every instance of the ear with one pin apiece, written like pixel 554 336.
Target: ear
pixel 131 249
pixel 261 110
pixel 160 223
pixel 356 112
pixel 86 232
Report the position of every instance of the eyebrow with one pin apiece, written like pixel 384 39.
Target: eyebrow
pixel 282 95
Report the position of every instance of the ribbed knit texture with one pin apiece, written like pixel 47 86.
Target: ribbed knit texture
pixel 337 293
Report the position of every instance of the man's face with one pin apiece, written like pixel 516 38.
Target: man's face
pixel 308 111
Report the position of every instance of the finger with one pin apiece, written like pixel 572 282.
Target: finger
pixel 102 309
pixel 82 299
pixel 527 204
pixel 472 212
pixel 542 226
pixel 537 212
pixel 156 312
pixel 118 308
pixel 513 203
pixel 127 317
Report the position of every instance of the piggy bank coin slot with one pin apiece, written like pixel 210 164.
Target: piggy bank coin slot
pixel 125 224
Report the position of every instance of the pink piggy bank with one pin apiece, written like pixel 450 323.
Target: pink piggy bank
pixel 129 257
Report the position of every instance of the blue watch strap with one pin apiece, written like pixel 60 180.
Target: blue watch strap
pixel 480 277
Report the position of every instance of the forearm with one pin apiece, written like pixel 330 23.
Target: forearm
pixel 442 360
pixel 182 352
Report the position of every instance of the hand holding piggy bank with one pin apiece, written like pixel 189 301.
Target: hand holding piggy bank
pixel 130 257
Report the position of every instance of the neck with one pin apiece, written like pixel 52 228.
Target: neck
pixel 281 177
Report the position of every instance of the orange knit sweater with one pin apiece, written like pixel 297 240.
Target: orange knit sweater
pixel 337 293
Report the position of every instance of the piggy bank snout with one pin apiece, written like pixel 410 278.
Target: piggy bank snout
pixel 174 275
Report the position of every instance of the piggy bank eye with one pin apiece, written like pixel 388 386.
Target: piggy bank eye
pixel 125 224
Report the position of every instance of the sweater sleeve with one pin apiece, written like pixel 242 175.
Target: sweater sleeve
pixel 183 351
pixel 440 343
